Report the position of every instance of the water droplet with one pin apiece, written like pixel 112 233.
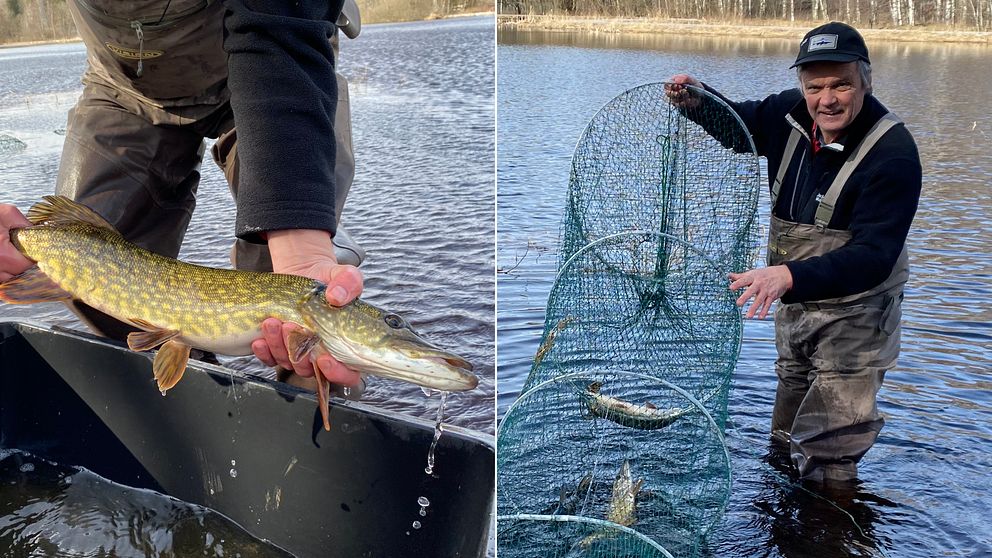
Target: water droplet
pixel 211 491
pixel 416 525
pixel 233 463
pixel 429 469
pixel 234 473
pixel 423 512
pixel 408 533
pixel 162 392
pixel 423 501
pixel 346 391
pixel 27 467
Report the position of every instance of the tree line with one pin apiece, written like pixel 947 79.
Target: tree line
pixel 970 15
pixel 49 20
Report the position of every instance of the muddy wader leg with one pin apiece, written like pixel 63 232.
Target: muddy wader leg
pixel 139 176
pixel 793 369
pixel 838 421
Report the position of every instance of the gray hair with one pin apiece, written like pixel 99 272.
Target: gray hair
pixel 864 72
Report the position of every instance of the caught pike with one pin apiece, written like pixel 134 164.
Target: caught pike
pixel 624 413
pixel 623 501
pixel 80 255
pixel 623 504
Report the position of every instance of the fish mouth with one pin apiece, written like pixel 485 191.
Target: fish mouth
pixel 454 361
pixel 424 366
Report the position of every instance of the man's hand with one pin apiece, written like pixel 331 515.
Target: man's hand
pixel 679 95
pixel 765 285
pixel 309 253
pixel 12 262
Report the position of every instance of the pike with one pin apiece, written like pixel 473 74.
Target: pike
pixel 642 417
pixel 623 500
pixel 622 508
pixel 177 305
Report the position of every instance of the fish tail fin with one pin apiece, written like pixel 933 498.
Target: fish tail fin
pixel 32 286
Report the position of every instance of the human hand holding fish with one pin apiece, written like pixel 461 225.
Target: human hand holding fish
pixel 308 253
pixel 79 255
pixel 12 262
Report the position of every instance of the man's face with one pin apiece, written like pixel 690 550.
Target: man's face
pixel 834 95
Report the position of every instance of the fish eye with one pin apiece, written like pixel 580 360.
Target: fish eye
pixel 394 321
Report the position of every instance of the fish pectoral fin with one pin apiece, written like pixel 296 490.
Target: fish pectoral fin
pixel 32 286
pixel 170 363
pixel 60 209
pixel 299 343
pixel 152 337
pixel 323 388
pixel 650 406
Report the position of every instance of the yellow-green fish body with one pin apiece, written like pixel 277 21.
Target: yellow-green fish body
pixel 180 305
pixel 216 310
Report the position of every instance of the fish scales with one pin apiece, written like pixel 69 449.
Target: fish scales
pixel 104 271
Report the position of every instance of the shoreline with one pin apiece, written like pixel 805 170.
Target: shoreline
pixel 757 29
pixel 78 39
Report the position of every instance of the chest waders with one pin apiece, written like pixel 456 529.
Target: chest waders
pixel 155 86
pixel 832 354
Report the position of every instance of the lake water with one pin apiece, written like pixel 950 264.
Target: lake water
pixel 924 484
pixel 422 204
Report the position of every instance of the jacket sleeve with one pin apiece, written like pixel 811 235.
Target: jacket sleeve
pixel 881 216
pixel 283 95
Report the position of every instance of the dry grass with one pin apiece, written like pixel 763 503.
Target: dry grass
pixel 751 28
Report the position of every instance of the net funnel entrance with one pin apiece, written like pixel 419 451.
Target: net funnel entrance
pixel 650 301
pixel 615 447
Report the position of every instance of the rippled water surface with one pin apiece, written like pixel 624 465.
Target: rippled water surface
pixel 422 204
pixel 924 491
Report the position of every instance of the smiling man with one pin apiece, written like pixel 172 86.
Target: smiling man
pixel 845 181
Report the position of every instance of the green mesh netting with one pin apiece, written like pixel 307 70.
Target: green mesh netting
pixel 629 386
pixel 562 449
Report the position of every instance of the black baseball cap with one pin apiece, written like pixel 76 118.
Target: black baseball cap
pixel 833 42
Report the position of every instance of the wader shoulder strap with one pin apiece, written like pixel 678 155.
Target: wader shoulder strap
pixel 790 149
pixel 825 211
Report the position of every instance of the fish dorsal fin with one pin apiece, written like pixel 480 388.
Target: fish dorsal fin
pixel 60 209
pixel 170 363
pixel 149 339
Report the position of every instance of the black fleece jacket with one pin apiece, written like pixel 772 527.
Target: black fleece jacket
pixel 284 95
pixel 877 205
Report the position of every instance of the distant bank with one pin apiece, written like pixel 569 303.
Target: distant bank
pixel 755 29
pixel 28 22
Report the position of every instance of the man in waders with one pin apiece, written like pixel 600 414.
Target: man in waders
pixel 845 182
pixel 162 75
